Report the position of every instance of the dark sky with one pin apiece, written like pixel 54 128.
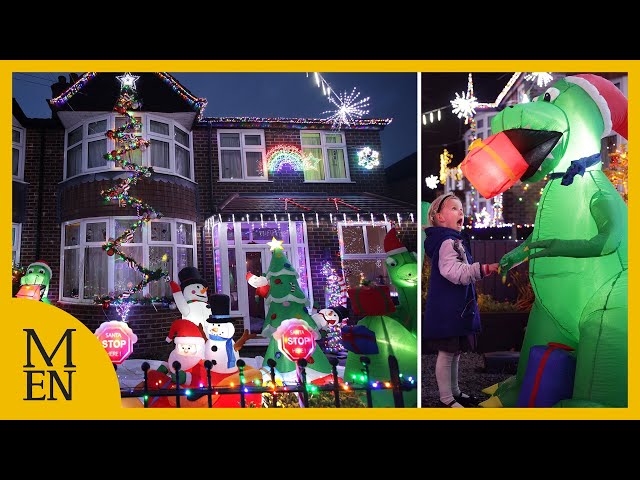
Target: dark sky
pixel 392 95
pixel 437 91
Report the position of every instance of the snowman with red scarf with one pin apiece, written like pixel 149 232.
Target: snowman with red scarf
pixel 191 296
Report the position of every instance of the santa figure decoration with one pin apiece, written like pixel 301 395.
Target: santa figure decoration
pixel 191 296
pixel 261 284
pixel 189 342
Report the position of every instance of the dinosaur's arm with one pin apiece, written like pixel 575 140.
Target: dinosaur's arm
pixel 607 217
pixel 514 258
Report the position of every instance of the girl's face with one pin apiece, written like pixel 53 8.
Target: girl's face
pixel 451 214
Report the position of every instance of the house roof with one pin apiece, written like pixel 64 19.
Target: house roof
pixel 350 206
pixel 292 122
pixel 98 92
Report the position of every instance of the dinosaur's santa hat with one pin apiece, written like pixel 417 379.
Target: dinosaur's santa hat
pixel 611 101
pixel 43 264
pixel 392 243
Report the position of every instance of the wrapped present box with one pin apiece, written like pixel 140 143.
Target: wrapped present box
pixel 32 292
pixel 359 339
pixel 371 300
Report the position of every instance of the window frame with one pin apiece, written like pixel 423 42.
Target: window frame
pixel 361 256
pixel 325 158
pixel 243 158
pixel 145 120
pixel 16 232
pixel 20 146
pixel 111 229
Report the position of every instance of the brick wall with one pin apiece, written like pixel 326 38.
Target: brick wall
pixel 41 201
pixel 372 181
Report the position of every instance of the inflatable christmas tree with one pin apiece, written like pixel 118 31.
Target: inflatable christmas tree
pixel 286 301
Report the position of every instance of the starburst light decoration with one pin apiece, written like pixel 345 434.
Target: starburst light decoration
pixel 349 108
pixel 542 79
pixel 464 105
pixel 431 181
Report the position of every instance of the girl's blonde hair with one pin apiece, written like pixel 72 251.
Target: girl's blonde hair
pixel 436 206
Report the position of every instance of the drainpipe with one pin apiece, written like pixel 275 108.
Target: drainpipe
pixel 40 195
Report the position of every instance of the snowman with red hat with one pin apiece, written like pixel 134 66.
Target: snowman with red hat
pixel 191 296
pixel 189 340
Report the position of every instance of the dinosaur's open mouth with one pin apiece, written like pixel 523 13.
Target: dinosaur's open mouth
pixel 533 145
pixel 494 164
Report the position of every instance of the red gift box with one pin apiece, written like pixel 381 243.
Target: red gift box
pixel 493 165
pixel 32 292
pixel 371 300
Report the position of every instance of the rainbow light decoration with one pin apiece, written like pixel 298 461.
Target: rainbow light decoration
pixel 282 155
pixel 368 158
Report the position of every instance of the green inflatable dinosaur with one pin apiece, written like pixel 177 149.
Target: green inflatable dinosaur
pixel 577 251
pixel 35 283
pixel 403 273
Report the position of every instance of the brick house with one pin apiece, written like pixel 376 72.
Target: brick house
pixel 225 187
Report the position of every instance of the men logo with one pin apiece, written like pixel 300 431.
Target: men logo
pixel 41 380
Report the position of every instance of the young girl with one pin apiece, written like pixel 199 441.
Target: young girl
pixel 451 319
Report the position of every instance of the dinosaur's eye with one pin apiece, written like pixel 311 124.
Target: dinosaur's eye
pixel 551 94
pixel 30 270
pixel 41 271
pixel 391 262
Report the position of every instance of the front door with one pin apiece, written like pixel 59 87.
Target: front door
pixel 257 260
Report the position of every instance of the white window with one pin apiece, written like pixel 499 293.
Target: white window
pixel 16 231
pixel 242 155
pixel 18 142
pixel 328 156
pixel 88 271
pixel 363 254
pixel 169 150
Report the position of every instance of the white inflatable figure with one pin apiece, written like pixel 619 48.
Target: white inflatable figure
pixel 191 296
pixel 220 347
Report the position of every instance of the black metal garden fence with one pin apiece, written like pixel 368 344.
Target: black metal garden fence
pixel 397 384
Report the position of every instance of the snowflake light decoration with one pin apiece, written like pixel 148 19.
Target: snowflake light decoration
pixel 541 78
pixel 368 158
pixel 431 181
pixel 483 219
pixel 349 108
pixel 464 105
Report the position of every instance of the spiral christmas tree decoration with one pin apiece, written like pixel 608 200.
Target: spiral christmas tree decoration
pixel 127 141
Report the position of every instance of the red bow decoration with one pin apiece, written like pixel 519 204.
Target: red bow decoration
pixel 287 201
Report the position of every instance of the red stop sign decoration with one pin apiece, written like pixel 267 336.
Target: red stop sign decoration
pixel 295 339
pixel 117 339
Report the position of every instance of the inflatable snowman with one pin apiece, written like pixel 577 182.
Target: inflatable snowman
pixel 191 296
pixel 219 347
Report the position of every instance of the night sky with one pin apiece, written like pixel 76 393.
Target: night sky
pixel 392 95
pixel 437 91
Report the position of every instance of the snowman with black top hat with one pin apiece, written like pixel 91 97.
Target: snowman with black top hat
pixel 191 296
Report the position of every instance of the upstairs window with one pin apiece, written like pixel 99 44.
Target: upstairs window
pixel 169 149
pixel 242 155
pixel 17 140
pixel 328 152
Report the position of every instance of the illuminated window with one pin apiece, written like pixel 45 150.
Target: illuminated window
pixel 328 156
pixel 363 254
pixel 169 150
pixel 241 155
pixel 88 271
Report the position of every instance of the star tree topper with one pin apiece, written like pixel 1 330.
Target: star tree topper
pixel 275 244
pixel 128 80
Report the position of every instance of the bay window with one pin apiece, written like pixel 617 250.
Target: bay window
pixel 169 149
pixel 88 271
